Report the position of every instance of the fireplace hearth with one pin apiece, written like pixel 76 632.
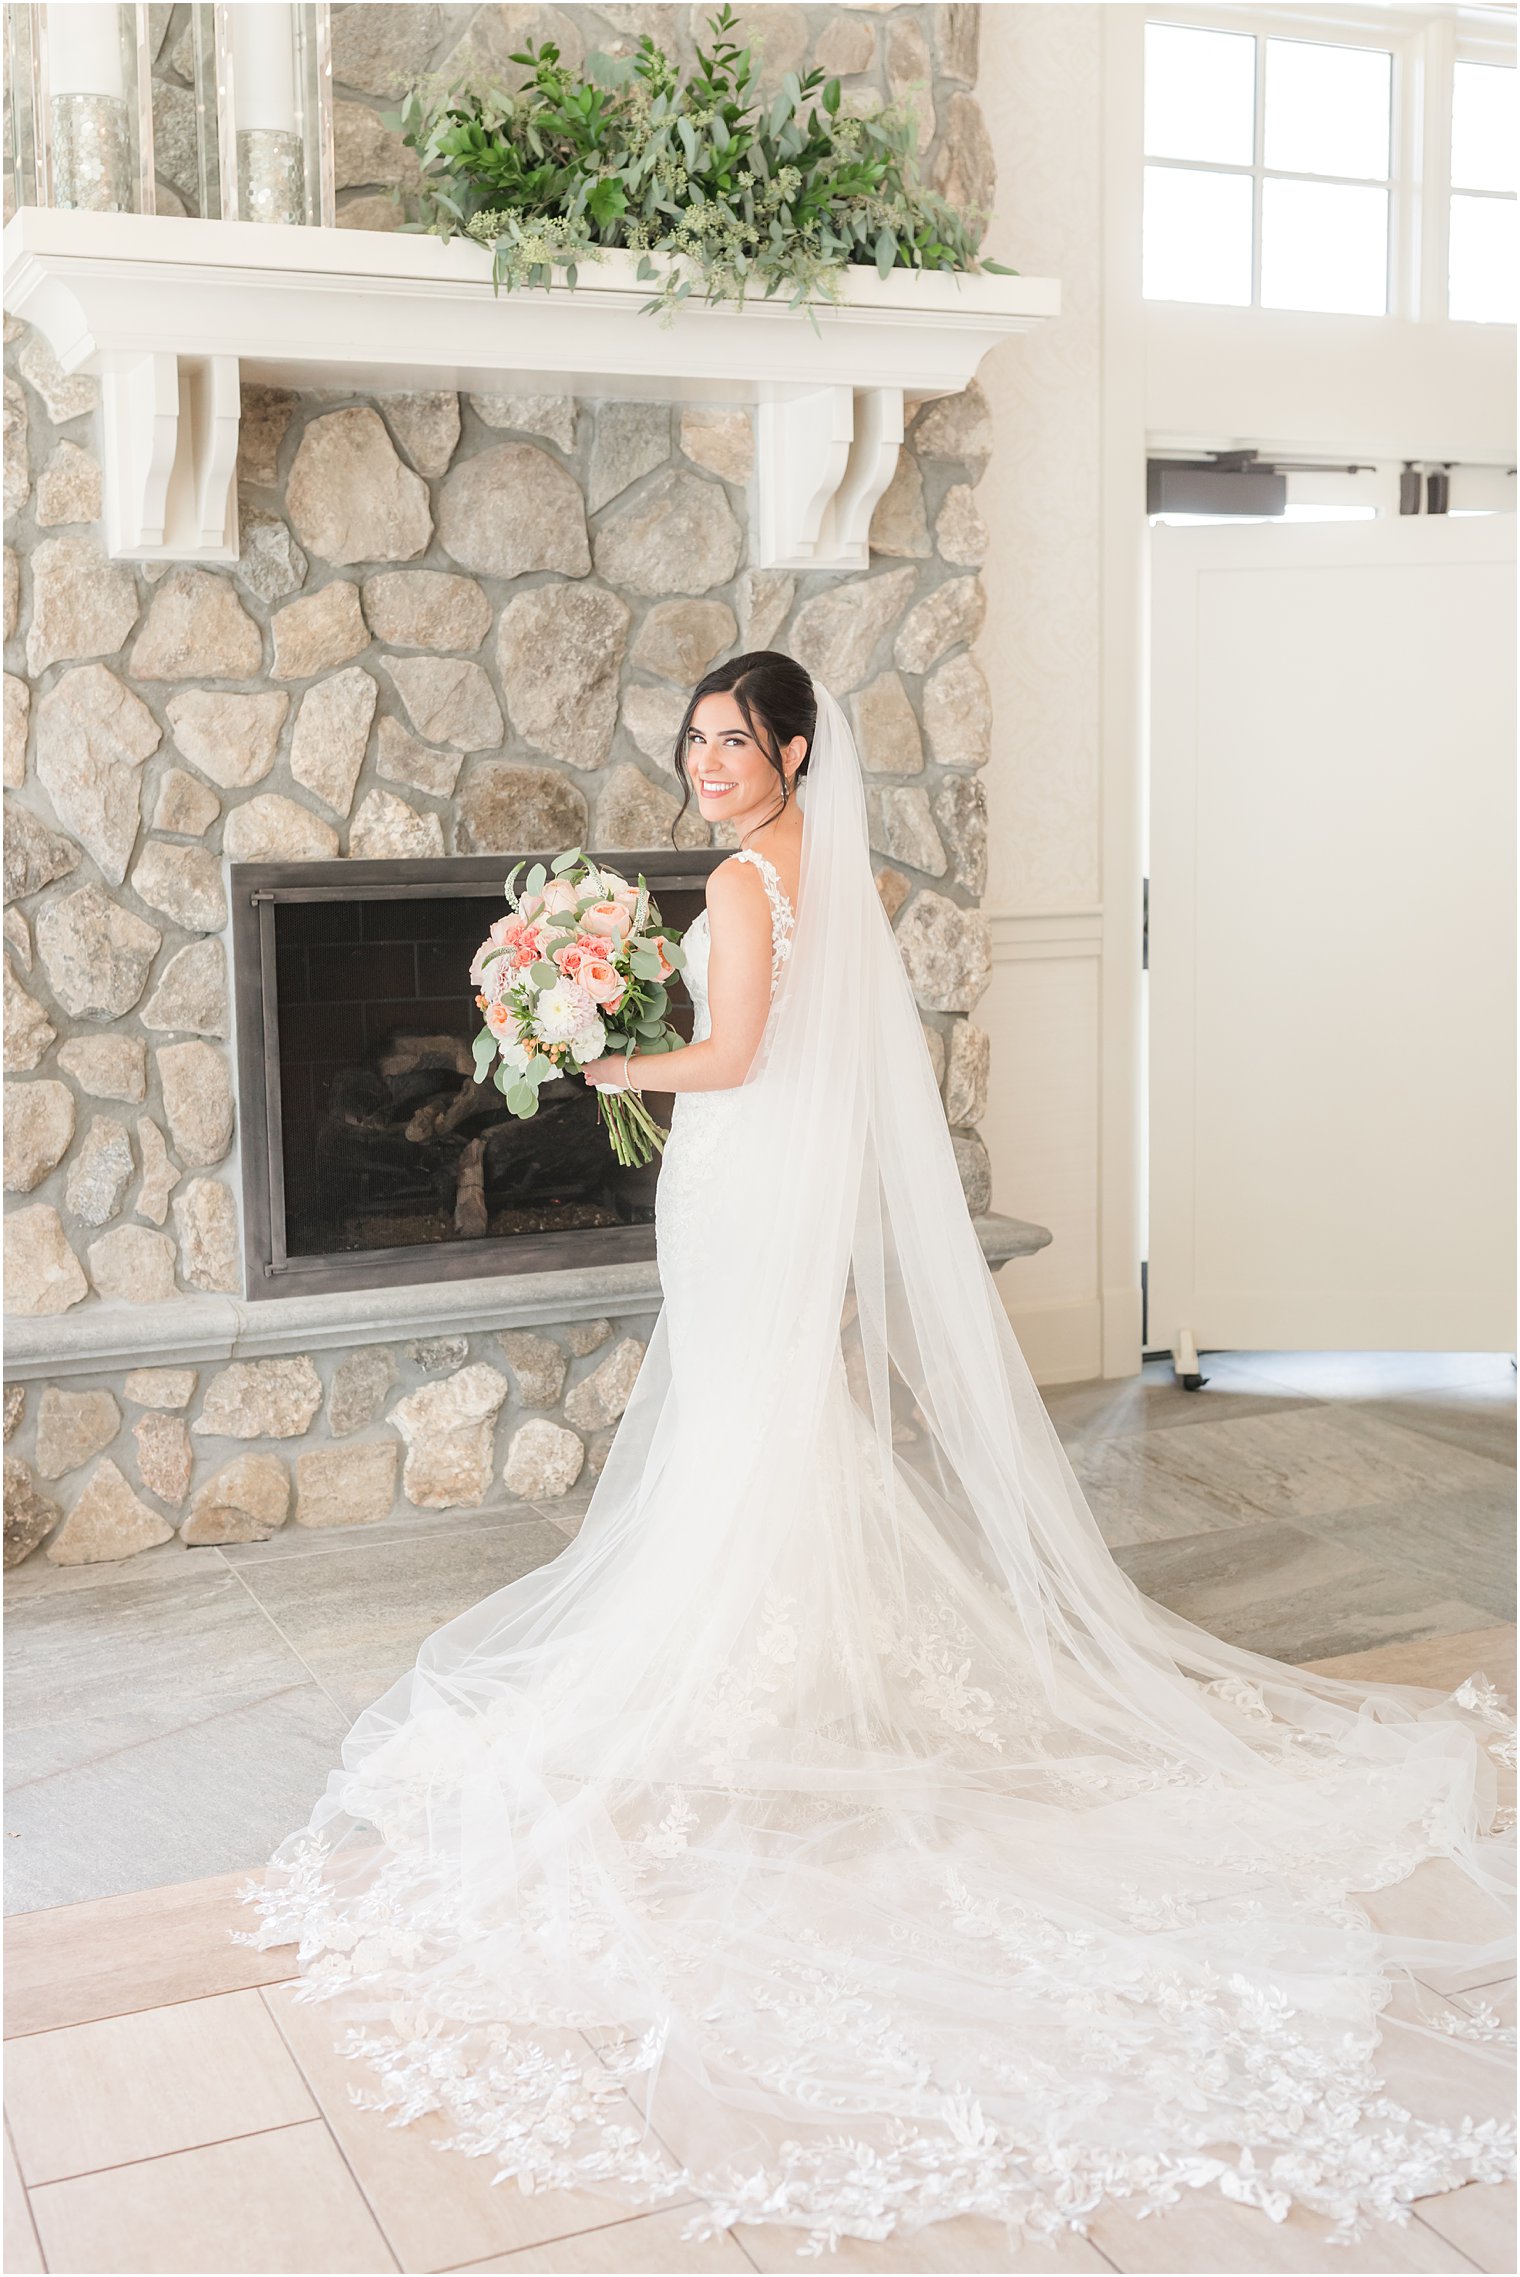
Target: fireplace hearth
pixel 370 1156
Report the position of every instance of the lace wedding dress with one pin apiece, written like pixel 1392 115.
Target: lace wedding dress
pixel 833 1835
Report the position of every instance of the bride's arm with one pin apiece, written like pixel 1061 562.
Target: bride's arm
pixel 738 995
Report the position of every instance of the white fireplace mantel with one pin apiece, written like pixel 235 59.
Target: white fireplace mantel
pixel 173 314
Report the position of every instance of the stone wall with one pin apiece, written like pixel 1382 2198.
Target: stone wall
pixel 457 625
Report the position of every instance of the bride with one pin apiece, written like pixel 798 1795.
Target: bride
pixel 833 1834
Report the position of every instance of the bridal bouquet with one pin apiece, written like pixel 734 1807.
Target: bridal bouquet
pixel 577 968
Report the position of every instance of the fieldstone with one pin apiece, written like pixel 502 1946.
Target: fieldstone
pixel 29 1516
pixel 965 168
pixel 449 1429
pixel 93 735
pixel 18 708
pixel 505 808
pixel 426 608
pixel 632 812
pixel 100 1172
pixel 15 1410
pixel 902 826
pixel 19 934
pixel 197 629
pixel 160 1387
pixel 382 50
pixel 952 613
pixel 320 630
pixel 348 495
pixel 328 741
pixel 184 806
pixel 765 595
pixel 560 653
pixel 95 953
pixel 34 855
pixel 246 1501
pixel 892 888
pixel 957 29
pixel 28 1030
pixel 39 1124
pixel 947 951
pixel 133 1266
pixel 403 758
pixel 65 395
pixel 205 1219
pixel 185 882
pixel 537 1363
pixel 934 1044
pixel 82 604
pixel 260 1399
pixel 971 1160
pixel 899 525
pixel 679 535
pixel 18 473
pixel 543 1461
pixel 910 73
pixel 159 1178
pixel 73 1426
pixel 231 738
pixel 886 729
pixel 653 718
pixel 266 414
pixel 197 1101
pixel 274 829
pixel 955 427
pixel 959 531
pixel 68 488
pixel 42 1274
pixel 386 829
pixel 960 806
pixel 448 700
pixel 552 416
pixel 970 1063
pixel 513 509
pixel 164 1458
pixel 359 1386
pixel 425 424
pixel 108 1067
pixel 834 635
pixel 680 639
pixel 600 1398
pixel 269 562
pixel 346 1486
pixel 484 56
pixel 720 439
pixel 174 145
pixel 438 1355
pixel 366 152
pixel 631 440
pixel 958 714
pixel 583 1336
pixel 12 591
pixel 845 46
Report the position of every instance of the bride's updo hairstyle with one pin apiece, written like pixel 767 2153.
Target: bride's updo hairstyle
pixel 776 697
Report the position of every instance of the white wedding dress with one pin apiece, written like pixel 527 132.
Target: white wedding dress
pixel 833 1835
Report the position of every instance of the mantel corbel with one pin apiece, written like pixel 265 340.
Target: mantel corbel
pixel 171 314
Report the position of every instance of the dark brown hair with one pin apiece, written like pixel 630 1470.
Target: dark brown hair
pixel 775 695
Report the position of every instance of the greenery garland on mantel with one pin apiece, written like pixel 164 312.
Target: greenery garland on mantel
pixel 732 191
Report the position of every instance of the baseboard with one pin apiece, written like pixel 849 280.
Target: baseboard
pixel 1063 1344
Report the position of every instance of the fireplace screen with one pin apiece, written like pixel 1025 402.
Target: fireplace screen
pixel 370 1153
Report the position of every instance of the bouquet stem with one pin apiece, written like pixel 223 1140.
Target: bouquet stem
pixel 633 1131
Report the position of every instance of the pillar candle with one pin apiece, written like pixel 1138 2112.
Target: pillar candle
pixel 84 49
pixel 263 65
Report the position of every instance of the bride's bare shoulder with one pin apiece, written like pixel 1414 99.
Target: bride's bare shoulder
pixel 736 898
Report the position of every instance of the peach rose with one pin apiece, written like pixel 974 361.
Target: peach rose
pixel 609 919
pixel 601 981
pixel 502 1022
pixel 661 948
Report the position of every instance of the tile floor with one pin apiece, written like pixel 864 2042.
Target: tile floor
pixel 169 2108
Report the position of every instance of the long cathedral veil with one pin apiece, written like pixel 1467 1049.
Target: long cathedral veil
pixel 833 1833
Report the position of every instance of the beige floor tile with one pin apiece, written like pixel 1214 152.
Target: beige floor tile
pixel 268 2204
pixel 438 2208
pixel 1479 2221
pixel 21 2250
pixel 76 1963
pixel 136 2087
pixel 1440 1662
pixel 965 2245
pixel 1436 1900
pixel 649 2242
pixel 1207 2233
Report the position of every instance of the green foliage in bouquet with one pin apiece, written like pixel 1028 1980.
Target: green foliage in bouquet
pixel 790 192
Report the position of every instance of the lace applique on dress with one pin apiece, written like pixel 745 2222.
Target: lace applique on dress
pixel 783 916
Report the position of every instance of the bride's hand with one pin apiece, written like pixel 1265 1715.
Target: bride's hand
pixel 608 1073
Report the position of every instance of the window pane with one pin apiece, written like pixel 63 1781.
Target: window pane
pixel 1324 245
pixel 1483 255
pixel 1197 236
pixel 1200 95
pixel 1483 141
pixel 1328 108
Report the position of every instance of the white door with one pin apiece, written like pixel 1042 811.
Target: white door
pixel 1332 936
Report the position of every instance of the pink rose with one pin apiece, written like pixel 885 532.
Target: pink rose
pixel 609 919
pixel 601 981
pixel 661 946
pixel 502 1022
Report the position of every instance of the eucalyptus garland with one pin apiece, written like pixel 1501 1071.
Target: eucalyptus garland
pixel 729 188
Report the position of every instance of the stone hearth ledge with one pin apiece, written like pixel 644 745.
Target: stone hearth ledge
pixel 189 1331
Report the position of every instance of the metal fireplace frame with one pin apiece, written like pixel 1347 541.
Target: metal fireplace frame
pixel 257 889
